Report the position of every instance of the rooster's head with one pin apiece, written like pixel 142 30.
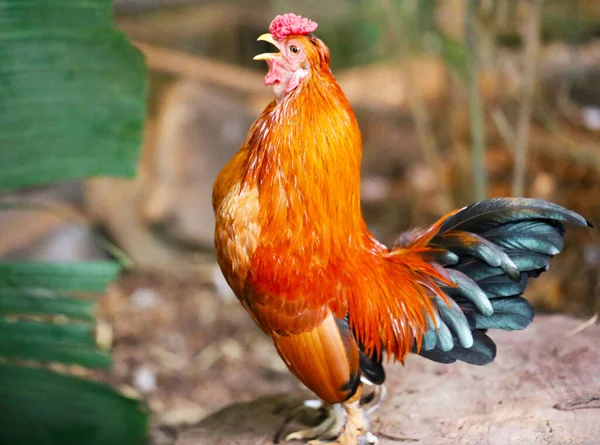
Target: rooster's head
pixel 300 53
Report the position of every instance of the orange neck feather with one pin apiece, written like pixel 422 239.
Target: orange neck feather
pixel 305 154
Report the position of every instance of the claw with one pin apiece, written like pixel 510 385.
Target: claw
pixel 328 429
pixel 345 424
pixel 314 404
pixel 370 439
pixel 375 400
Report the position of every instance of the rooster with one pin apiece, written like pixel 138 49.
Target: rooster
pixel 294 247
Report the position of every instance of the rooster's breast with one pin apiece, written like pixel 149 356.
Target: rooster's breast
pixel 236 234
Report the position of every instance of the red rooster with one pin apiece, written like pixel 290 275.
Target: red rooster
pixel 293 246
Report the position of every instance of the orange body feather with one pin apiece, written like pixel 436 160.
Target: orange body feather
pixel 293 245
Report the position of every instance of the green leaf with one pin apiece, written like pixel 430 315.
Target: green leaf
pixel 16 301
pixel 42 407
pixel 72 93
pixel 73 343
pixel 72 102
pixel 68 341
pixel 89 276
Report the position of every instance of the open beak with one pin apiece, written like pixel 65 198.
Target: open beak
pixel 267 56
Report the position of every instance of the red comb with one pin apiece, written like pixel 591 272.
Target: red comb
pixel 291 24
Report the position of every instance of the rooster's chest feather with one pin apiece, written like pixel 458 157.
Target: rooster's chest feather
pixel 237 233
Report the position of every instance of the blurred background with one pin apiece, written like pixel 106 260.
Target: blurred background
pixel 457 100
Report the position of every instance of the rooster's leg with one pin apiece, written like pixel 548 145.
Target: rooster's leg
pixel 346 424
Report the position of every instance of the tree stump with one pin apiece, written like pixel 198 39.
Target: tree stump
pixel 543 388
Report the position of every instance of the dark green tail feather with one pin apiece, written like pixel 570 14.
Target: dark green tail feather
pixel 485 215
pixel 529 232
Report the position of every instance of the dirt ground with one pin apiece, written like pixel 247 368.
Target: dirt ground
pixel 190 353
pixel 541 389
pixel 186 350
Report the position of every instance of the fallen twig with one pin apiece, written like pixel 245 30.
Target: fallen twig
pixel 587 402
pixel 583 326
pixel 396 438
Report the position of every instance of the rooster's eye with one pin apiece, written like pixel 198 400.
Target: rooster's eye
pixel 294 49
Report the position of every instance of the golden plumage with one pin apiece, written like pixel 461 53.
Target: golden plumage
pixel 292 242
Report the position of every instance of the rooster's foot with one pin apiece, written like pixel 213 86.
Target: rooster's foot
pixel 345 424
pixel 372 401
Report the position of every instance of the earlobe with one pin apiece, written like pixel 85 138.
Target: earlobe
pixel 298 76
